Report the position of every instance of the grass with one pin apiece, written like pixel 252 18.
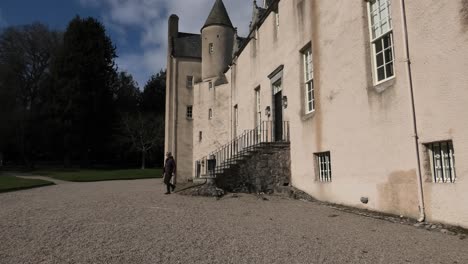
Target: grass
pixel 100 175
pixel 12 183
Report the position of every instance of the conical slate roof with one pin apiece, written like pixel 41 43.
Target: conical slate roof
pixel 218 16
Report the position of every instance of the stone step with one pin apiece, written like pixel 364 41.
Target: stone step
pixel 203 179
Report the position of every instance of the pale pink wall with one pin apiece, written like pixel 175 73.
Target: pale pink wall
pixel 439 59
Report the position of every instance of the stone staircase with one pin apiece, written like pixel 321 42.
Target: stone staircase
pixel 264 168
pixel 258 160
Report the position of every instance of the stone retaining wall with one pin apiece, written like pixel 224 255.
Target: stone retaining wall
pixel 266 170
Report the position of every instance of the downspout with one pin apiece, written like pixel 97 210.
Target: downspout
pixel 422 213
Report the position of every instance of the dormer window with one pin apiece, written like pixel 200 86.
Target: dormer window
pixel 211 48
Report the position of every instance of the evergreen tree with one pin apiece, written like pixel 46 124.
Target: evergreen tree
pixel 154 94
pixel 85 72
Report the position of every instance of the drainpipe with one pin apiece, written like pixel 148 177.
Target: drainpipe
pixel 422 214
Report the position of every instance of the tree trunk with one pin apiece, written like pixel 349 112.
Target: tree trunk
pixel 143 159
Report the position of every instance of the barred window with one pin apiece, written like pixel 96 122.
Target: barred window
pixel 323 162
pixel 442 159
pixel 309 81
pixel 382 39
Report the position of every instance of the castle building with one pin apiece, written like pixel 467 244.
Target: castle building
pixel 369 95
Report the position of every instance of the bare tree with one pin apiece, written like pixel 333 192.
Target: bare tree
pixel 143 133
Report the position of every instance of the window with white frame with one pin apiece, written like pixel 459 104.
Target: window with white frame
pixel 323 162
pixel 442 160
pixel 258 108
pixel 309 81
pixel 380 22
pixel 189 81
pixel 277 18
pixel 189 112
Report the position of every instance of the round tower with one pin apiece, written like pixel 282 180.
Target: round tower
pixel 217 42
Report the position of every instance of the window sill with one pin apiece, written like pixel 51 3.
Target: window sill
pixel 308 116
pixel 323 182
pixel 190 118
pixel 384 85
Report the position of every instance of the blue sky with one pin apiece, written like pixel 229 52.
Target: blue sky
pixel 137 27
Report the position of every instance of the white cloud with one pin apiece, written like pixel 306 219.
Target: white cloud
pixel 150 17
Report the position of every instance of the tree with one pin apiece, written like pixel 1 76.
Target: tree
pixel 153 102
pixel 142 133
pixel 25 56
pixel 154 94
pixel 84 74
pixel 127 96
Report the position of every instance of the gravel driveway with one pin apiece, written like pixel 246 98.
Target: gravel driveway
pixel 133 222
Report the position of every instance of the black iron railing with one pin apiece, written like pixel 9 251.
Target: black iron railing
pixel 227 155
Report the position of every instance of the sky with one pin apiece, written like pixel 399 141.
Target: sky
pixel 138 28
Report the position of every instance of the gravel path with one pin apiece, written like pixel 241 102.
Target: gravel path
pixel 133 222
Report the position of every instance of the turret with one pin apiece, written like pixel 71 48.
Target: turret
pixel 217 42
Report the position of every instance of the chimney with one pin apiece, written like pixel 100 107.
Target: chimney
pixel 173 26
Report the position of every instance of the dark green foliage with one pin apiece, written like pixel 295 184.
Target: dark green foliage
pixel 127 96
pixel 63 101
pixel 25 56
pixel 84 73
pixel 154 94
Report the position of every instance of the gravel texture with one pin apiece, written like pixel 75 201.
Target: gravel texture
pixel 134 222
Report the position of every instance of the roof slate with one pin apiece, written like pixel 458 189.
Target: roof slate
pixel 218 16
pixel 187 45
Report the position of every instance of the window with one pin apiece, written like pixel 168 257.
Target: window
pixel 236 116
pixel 258 108
pixel 189 111
pixel 309 81
pixel 380 22
pixel 200 136
pixel 323 162
pixel 210 85
pixel 236 120
pixel 442 159
pixel 189 81
pixel 277 18
pixel 211 48
pixel 210 114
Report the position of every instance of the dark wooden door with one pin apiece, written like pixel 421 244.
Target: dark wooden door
pixel 278 117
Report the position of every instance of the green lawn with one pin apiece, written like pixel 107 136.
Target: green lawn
pixel 100 175
pixel 12 183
